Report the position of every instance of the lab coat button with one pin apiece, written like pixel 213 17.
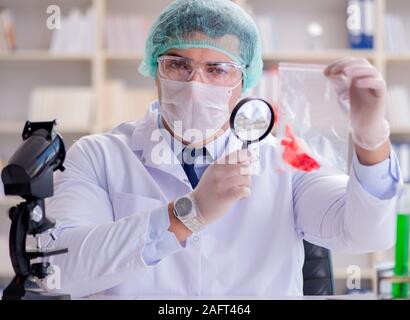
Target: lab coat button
pixel 196 239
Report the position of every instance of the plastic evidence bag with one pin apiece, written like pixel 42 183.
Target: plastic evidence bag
pixel 313 125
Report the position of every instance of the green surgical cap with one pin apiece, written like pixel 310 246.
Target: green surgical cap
pixel 214 24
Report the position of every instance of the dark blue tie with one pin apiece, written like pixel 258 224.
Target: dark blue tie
pixel 188 159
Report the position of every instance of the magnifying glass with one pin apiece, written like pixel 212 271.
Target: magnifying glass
pixel 252 120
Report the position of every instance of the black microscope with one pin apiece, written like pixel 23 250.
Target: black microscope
pixel 29 174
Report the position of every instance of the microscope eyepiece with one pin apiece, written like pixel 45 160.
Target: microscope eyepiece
pixel 30 169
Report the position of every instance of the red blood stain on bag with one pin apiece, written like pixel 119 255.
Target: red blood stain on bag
pixel 295 156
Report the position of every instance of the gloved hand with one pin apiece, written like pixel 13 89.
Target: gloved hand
pixel 224 182
pixel 361 88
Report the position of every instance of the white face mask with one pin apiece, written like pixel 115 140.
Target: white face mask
pixel 195 111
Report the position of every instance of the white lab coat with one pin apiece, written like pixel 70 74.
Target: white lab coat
pixel 111 185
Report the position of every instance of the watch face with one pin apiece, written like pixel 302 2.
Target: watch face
pixel 183 207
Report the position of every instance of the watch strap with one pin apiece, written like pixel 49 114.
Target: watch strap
pixel 192 220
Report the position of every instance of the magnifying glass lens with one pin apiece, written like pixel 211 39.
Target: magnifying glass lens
pixel 252 120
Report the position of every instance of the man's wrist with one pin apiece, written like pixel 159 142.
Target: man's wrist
pixel 372 157
pixel 176 225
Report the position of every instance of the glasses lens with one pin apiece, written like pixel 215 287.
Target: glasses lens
pixel 221 74
pixel 175 69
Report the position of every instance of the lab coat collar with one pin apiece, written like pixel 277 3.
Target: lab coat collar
pixel 156 153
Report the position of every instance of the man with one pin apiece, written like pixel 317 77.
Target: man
pixel 137 225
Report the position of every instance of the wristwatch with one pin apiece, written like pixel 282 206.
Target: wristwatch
pixel 186 210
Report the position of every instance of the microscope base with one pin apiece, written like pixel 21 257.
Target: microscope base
pixel 18 290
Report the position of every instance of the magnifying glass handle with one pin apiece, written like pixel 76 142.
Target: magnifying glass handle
pixel 245 145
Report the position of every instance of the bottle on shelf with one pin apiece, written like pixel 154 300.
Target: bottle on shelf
pixel 401 268
pixel 7 33
pixel 360 23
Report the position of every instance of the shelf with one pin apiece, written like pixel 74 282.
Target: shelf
pixel 365 273
pixel 77 132
pixel 327 55
pixel 130 56
pixel 123 56
pixel 398 131
pixel 397 57
pixel 282 55
pixel 11 127
pixel 7 274
pixel 38 55
pixel 17 128
pixel 10 201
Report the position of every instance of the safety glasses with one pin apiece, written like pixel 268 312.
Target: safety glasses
pixel 225 74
